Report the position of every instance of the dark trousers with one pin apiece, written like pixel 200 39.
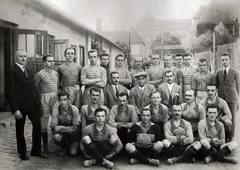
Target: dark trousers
pixel 233 108
pixel 36 132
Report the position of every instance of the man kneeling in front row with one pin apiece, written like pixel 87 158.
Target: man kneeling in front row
pixel 100 141
pixel 65 126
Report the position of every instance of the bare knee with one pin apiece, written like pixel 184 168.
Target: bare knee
pixel 86 139
pixel 57 137
pixel 232 145
pixel 197 145
pixel 130 148
pixel 205 143
pixel 74 148
pixel 158 146
pixel 228 124
pixel 166 143
pixel 113 139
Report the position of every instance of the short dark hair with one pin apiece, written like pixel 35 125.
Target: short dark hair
pixel 63 93
pixel 104 54
pixel 123 94
pixel 119 55
pixel 99 110
pixel 154 93
pixel 187 54
pixel 95 89
pixel 212 84
pixel 212 106
pixel 113 72
pixel 194 94
pixel 203 60
pixel 169 71
pixel 177 104
pixel 179 55
pixel 146 109
pixel 226 54
pixel 91 51
pixel 45 56
pixel 65 52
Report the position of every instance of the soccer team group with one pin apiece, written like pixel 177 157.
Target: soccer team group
pixel 179 110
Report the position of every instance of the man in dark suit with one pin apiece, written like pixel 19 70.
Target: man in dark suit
pixel 228 84
pixel 111 91
pixel 24 101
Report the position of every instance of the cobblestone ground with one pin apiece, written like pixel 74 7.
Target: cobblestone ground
pixel 9 159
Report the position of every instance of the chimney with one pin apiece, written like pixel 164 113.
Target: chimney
pixel 99 25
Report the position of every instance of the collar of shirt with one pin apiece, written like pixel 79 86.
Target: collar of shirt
pixel 227 69
pixel 21 66
pixel 170 86
pixel 141 88
pixel 114 87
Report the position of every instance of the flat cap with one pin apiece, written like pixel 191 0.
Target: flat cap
pixel 141 74
pixel 148 62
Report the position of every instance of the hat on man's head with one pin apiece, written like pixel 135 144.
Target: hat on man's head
pixel 141 74
pixel 148 62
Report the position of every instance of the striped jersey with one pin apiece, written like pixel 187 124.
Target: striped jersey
pixel 89 72
pixel 46 81
pixel 188 72
pixel 69 75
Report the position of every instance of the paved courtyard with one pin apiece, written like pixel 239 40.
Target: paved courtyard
pixel 9 159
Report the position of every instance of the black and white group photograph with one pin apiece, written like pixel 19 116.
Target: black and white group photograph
pixel 119 84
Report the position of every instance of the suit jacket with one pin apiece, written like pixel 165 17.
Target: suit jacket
pixel 165 93
pixel 21 91
pixel 230 88
pixel 110 98
pixel 139 100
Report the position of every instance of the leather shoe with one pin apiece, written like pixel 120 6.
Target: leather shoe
pixel 40 155
pixel 24 157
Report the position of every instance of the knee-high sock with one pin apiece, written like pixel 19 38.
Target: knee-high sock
pixel 139 156
pixel 44 137
pixel 218 156
pixel 188 153
pixel 225 151
pixel 172 151
pixel 91 148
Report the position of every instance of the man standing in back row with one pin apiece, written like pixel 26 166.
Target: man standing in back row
pixel 228 85
pixel 93 75
pixel 46 82
pixel 69 77
pixel 24 101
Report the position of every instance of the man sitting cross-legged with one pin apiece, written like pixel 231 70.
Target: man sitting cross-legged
pixel 179 139
pixel 65 126
pixel 212 135
pixel 145 141
pixel 100 141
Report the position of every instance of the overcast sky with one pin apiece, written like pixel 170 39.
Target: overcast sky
pixel 122 14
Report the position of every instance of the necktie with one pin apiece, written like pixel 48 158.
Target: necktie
pixel 141 90
pixel 116 90
pixel 24 71
pixel 224 74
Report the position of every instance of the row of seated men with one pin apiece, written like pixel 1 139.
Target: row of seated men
pixel 183 134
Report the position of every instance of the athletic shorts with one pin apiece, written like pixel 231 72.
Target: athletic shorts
pixel 74 95
pixel 75 136
pixel 48 103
